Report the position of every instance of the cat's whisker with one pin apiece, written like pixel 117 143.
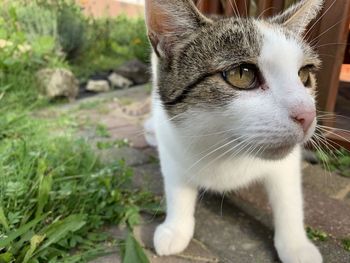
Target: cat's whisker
pixel 323 154
pixel 211 152
pixel 332 129
pixel 222 202
pixel 219 157
pixel 322 140
pixel 334 114
pixel 331 44
pixel 234 8
pixel 264 11
pixel 318 19
pixel 321 134
pixel 314 40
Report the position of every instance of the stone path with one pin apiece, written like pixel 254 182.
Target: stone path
pixel 236 228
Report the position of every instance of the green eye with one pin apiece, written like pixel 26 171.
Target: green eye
pixel 242 77
pixel 304 75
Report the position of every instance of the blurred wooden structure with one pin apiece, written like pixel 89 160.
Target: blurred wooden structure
pixel 328 34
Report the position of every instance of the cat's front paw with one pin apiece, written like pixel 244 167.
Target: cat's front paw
pixel 306 252
pixel 169 240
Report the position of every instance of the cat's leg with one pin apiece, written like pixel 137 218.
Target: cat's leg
pixel 175 233
pixel 285 194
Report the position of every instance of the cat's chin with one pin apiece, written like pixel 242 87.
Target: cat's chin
pixel 276 152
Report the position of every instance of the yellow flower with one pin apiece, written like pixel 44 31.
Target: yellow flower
pixel 24 48
pixel 5 43
pixel 136 41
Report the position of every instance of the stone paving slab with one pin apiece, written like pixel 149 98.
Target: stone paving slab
pixel 322 211
pixel 195 252
pixel 332 184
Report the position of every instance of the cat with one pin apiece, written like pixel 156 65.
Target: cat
pixel 233 103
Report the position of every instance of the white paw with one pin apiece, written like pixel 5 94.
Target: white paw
pixel 168 240
pixel 306 252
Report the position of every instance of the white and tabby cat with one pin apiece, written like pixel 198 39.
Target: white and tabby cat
pixel 233 101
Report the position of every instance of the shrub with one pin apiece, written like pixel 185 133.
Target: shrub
pixel 72 27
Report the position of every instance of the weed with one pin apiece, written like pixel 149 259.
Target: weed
pixel 346 244
pixel 102 145
pixel 102 131
pixel 316 235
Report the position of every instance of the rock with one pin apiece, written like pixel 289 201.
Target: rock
pixel 119 82
pixel 98 85
pixel 59 82
pixel 135 70
pixel 310 156
pixel 102 75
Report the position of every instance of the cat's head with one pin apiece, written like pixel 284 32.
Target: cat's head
pixel 247 80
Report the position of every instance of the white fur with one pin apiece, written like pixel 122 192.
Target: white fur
pixel 192 155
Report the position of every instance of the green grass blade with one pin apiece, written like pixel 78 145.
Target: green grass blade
pixel 34 243
pixel 133 251
pixel 3 220
pixel 45 184
pixel 20 231
pixel 61 228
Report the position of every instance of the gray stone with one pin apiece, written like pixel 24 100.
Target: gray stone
pixel 112 258
pixel 231 234
pixel 149 177
pixel 119 82
pixel 58 82
pixel 98 85
pixel 135 70
pixel 310 156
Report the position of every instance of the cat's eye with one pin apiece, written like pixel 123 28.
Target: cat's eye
pixel 304 75
pixel 242 77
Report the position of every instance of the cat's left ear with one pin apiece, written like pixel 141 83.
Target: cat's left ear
pixel 298 16
pixel 169 22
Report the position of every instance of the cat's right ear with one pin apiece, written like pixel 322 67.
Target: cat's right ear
pixel 298 16
pixel 169 21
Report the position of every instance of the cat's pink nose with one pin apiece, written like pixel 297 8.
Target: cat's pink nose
pixel 305 119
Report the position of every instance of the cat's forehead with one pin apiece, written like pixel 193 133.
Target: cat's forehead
pixel 279 48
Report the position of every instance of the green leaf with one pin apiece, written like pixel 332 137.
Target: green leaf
pixel 61 228
pixel 3 220
pixel 20 231
pixel 43 45
pixel 34 242
pixel 45 185
pixel 133 251
pixel 6 257
pixel 132 216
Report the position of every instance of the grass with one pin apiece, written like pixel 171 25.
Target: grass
pixel 338 160
pixel 55 194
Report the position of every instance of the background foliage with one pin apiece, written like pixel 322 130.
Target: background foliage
pixel 55 194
